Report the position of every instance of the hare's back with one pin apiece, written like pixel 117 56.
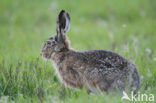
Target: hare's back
pixel 105 59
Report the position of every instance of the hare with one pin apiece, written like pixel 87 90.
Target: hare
pixel 96 70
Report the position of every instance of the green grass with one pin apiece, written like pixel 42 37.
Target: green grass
pixel 127 27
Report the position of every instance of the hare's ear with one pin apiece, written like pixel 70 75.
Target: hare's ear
pixel 63 24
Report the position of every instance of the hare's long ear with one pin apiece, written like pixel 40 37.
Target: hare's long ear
pixel 63 24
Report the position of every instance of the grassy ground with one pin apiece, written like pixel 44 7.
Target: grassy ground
pixel 127 27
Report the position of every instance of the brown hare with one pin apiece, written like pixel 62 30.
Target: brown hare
pixel 97 70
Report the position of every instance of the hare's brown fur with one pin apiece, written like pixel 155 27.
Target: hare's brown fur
pixel 94 69
pixel 98 70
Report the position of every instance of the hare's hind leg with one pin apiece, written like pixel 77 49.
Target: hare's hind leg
pixel 101 86
pixel 108 86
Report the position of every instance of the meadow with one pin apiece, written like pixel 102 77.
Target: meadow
pixel 127 27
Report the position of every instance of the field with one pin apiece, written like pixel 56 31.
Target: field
pixel 127 27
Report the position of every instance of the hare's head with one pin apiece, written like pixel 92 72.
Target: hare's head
pixel 58 42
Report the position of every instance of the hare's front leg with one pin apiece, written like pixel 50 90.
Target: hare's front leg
pixel 70 77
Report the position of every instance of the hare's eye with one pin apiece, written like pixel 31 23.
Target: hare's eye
pixel 48 43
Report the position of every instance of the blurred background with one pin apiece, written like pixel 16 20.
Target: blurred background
pixel 127 27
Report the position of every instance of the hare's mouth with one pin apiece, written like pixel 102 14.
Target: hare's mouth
pixel 46 55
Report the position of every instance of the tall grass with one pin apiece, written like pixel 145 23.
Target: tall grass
pixel 123 26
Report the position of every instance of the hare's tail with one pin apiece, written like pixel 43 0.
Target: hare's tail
pixel 135 80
